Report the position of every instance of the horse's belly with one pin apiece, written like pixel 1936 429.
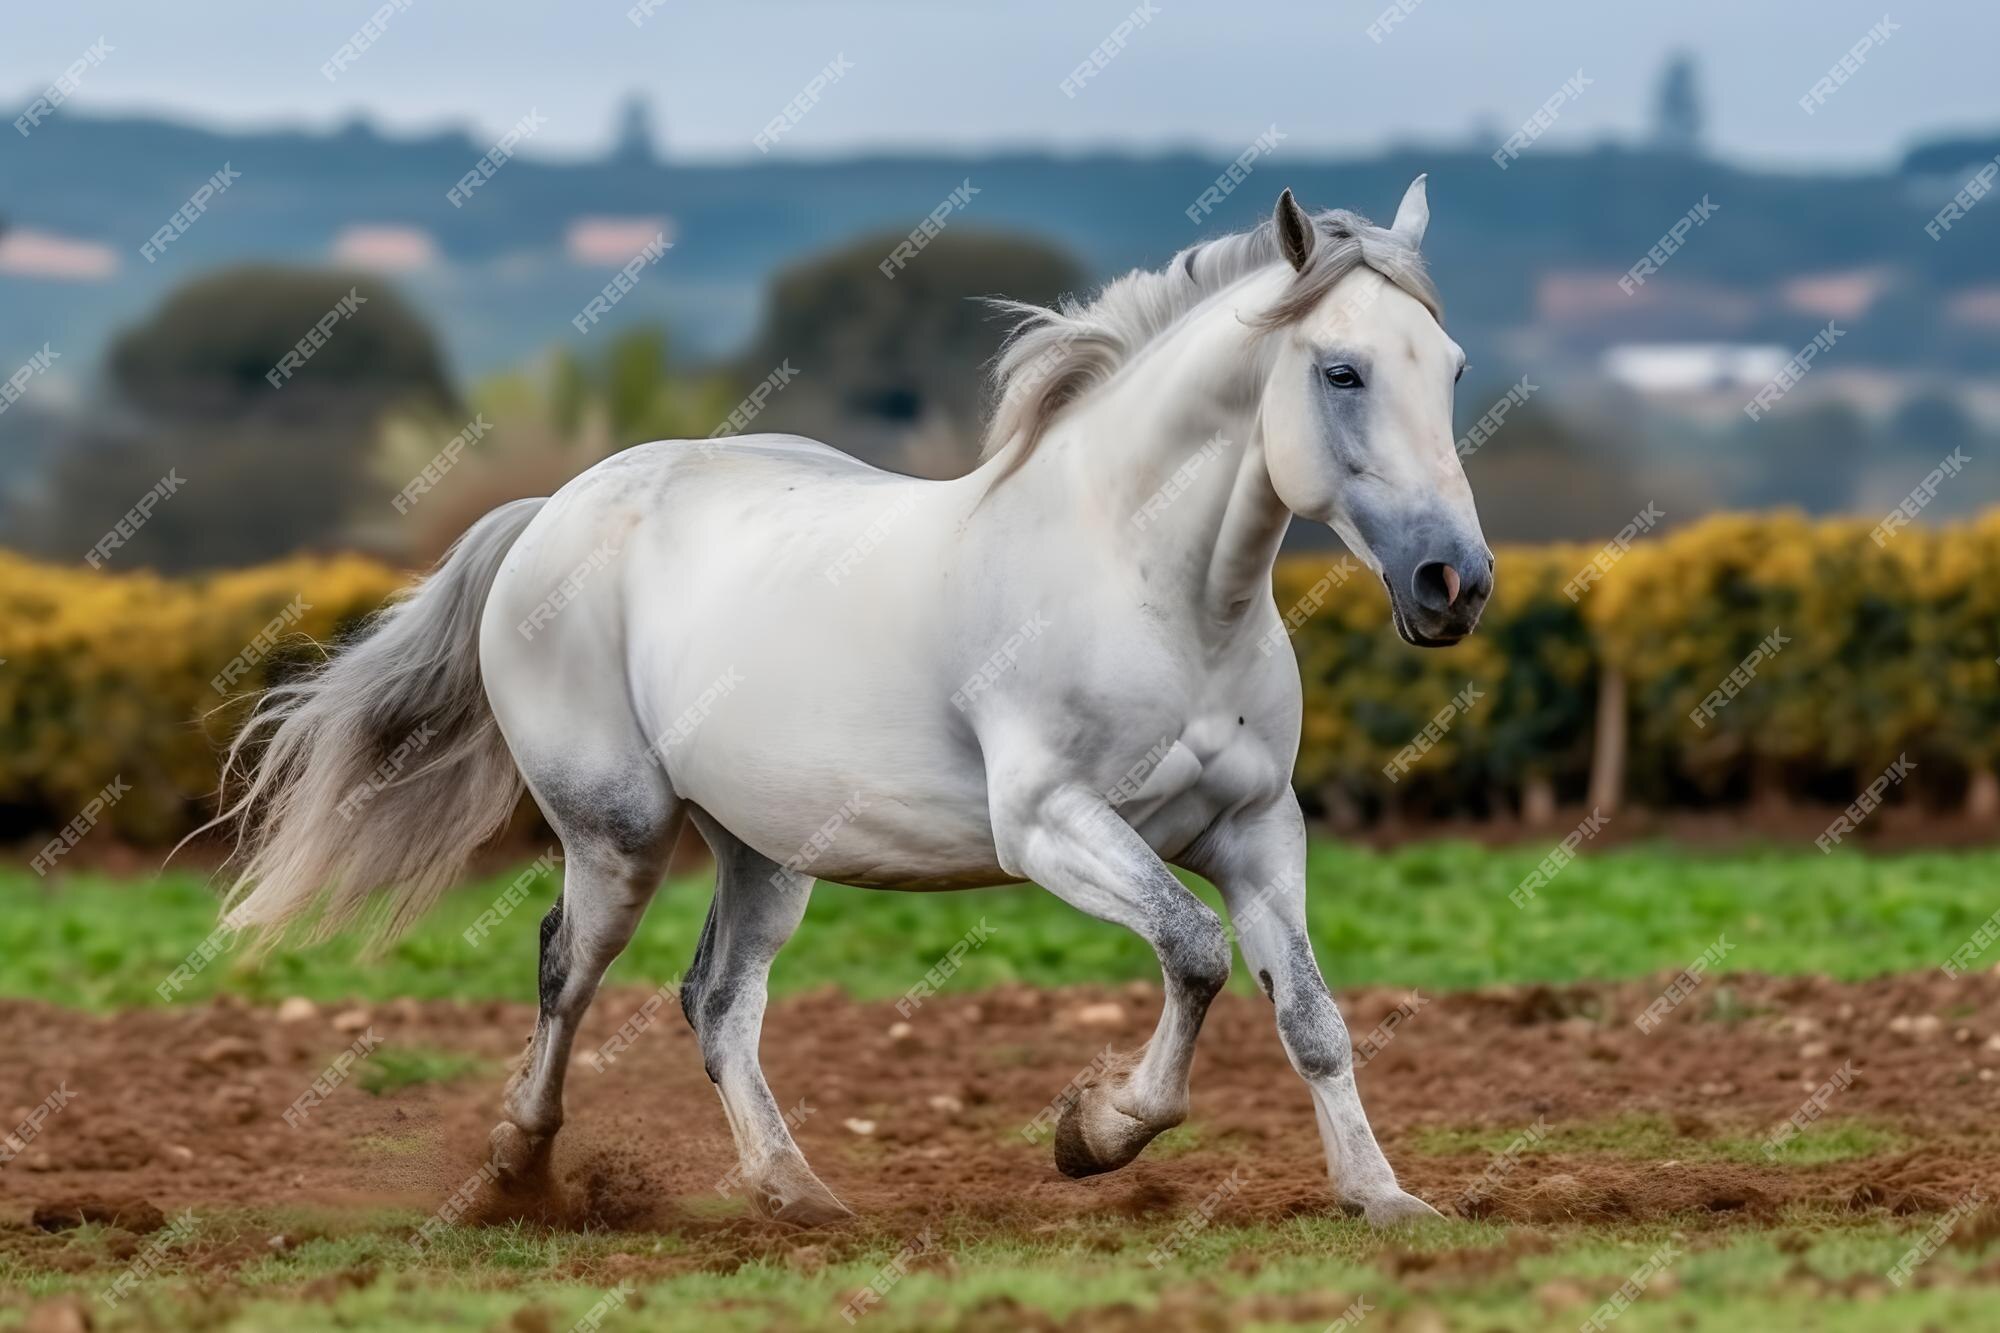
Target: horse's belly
pixel 843 791
pixel 865 777
pixel 872 837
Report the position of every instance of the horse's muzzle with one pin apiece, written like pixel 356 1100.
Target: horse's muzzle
pixel 1439 599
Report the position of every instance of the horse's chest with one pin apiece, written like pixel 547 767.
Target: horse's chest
pixel 1180 785
pixel 1174 743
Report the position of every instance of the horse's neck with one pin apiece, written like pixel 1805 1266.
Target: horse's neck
pixel 1169 457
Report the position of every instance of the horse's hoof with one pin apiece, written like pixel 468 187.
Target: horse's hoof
pixel 1094 1136
pixel 807 1210
pixel 788 1192
pixel 1391 1209
pixel 519 1159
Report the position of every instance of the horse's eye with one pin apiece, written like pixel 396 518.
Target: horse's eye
pixel 1343 376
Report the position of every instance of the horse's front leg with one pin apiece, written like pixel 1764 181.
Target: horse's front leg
pixel 1258 860
pixel 1069 840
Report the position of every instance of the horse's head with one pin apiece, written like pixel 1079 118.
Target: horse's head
pixel 1357 413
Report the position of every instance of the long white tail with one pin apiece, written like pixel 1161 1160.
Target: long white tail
pixel 384 769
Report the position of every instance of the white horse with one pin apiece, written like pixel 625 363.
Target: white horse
pixel 1056 668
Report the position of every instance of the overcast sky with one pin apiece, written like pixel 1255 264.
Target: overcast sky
pixel 959 73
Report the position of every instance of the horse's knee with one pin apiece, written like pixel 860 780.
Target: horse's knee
pixel 1194 950
pixel 1315 1034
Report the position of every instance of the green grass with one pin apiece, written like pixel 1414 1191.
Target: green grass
pixel 1434 916
pixel 391 1067
pixel 1298 1274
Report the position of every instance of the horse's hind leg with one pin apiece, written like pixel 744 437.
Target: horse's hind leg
pixel 758 904
pixel 612 865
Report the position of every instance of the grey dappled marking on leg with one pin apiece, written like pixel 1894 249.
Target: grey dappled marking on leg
pixel 553 963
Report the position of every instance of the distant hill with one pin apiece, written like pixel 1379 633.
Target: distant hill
pixel 505 280
pixel 1958 155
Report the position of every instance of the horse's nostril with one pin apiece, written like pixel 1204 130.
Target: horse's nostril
pixel 1436 585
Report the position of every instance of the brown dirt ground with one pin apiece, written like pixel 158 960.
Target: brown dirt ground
pixel 184 1107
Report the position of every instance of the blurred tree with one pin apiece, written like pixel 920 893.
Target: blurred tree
pixel 1810 456
pixel 263 470
pixel 1677 115
pixel 1550 475
pixel 241 493
pixel 635 380
pixel 636 390
pixel 1925 428
pixel 1931 425
pixel 209 348
pixel 568 391
pixel 895 349
pixel 527 443
pixel 533 431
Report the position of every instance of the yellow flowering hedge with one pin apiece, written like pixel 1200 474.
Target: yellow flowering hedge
pixel 111 677
pixel 1958 637
pixel 1873 649
pixel 1822 655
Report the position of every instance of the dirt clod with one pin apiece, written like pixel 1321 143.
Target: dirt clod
pixel 352 1021
pixel 1105 1014
pixel 135 1215
pixel 231 1052
pixel 64 1315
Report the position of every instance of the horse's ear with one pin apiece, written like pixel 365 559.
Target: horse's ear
pixel 1413 214
pixel 1295 231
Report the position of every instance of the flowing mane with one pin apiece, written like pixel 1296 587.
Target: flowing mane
pixel 1053 357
